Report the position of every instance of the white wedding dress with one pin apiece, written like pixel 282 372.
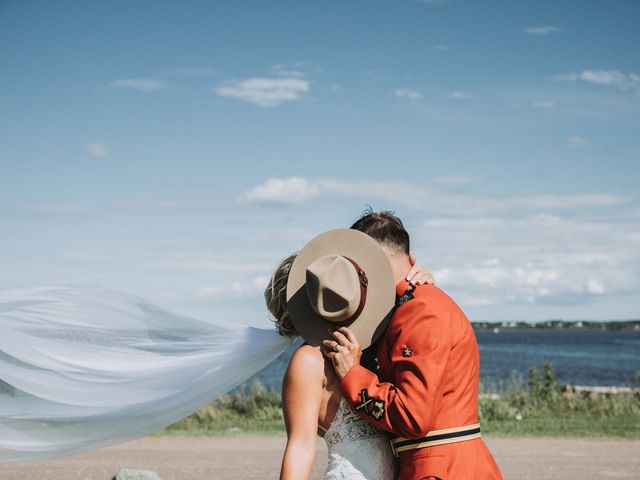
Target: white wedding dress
pixel 356 449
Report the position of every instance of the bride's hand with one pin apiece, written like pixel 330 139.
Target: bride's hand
pixel 344 352
pixel 418 274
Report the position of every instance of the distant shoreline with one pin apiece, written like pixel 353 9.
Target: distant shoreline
pixel 611 325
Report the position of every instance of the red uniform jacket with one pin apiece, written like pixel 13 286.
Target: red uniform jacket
pixel 428 376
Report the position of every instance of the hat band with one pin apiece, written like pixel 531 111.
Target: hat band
pixel 364 283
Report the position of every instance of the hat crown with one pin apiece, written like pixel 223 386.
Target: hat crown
pixel 333 287
pixel 317 304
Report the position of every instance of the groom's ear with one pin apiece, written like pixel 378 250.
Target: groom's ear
pixel 412 259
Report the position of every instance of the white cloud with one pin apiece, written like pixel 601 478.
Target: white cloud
pixel 560 201
pixel 577 141
pixel 407 93
pixel 97 149
pixel 292 70
pixel 425 197
pixel 607 77
pixel 441 47
pixel 458 95
pixel 141 84
pixel 264 92
pixel 509 256
pixel 160 80
pixel 595 287
pixel 433 2
pixel 611 78
pixel 565 259
pixel 541 30
pixel 540 104
pixel 252 288
pixel 282 191
pixel 528 256
pixel 455 180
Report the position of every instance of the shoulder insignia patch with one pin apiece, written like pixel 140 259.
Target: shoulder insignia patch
pixel 406 296
pixel 378 409
pixel 371 406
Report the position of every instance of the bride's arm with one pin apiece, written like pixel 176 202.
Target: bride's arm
pixel 301 401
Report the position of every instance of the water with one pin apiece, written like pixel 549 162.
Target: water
pixel 579 357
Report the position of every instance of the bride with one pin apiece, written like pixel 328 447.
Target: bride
pixel 313 404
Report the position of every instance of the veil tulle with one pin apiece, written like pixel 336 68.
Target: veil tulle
pixel 84 367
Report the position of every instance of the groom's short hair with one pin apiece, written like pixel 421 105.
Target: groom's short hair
pixel 385 228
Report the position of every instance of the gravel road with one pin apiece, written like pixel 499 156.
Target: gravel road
pixel 258 457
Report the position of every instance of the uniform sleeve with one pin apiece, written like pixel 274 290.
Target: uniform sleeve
pixel 407 405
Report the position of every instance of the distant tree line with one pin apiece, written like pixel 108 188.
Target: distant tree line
pixel 614 325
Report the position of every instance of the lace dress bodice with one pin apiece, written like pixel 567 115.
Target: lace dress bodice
pixel 356 449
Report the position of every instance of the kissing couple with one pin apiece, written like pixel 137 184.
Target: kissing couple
pixel 389 371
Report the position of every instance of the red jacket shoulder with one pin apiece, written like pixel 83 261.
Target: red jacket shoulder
pixel 429 305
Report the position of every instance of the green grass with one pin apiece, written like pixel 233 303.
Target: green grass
pixel 256 411
pixel 542 408
pixel 538 407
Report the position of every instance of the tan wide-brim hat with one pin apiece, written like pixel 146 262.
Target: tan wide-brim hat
pixel 341 278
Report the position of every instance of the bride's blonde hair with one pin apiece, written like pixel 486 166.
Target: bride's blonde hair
pixel 276 297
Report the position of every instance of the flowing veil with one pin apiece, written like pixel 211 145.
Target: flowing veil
pixel 84 367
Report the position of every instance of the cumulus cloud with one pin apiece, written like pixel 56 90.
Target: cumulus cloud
pixel 611 78
pixel 564 260
pixel 282 191
pixel 577 141
pixel 520 256
pixel 140 84
pixel 252 288
pixel 407 93
pixel 293 70
pixel 160 80
pixel 541 30
pixel 458 95
pixel 263 91
pixel 427 197
pixel 500 256
pixel 455 180
pixel 98 149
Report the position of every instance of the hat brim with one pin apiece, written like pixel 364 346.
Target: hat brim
pixel 368 254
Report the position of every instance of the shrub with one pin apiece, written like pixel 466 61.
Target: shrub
pixel 539 406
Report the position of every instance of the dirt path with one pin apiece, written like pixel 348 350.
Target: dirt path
pixel 258 457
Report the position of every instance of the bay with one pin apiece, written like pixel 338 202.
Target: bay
pixel 579 357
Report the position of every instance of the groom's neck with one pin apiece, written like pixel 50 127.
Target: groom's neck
pixel 400 264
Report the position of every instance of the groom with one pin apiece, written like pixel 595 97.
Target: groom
pixel 425 391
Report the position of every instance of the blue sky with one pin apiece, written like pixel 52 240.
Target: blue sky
pixel 179 150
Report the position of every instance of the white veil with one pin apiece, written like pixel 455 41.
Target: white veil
pixel 86 367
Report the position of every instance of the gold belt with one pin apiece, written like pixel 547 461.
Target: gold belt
pixel 437 437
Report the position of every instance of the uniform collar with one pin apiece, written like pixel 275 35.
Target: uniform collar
pixel 401 287
pixel 404 293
